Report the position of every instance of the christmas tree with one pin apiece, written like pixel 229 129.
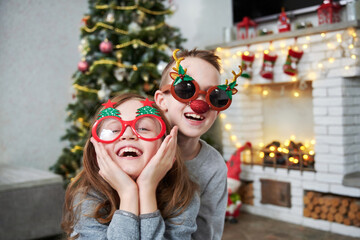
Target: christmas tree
pixel 124 45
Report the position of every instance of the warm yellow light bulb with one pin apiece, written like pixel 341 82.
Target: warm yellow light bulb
pixel 261 154
pixel 234 56
pixel 287 143
pixel 308 38
pixel 353 56
pixel 218 49
pixel 294 79
pixel 351 46
pixel 261 144
pixel 292 137
pixel 272 148
pixel 320 65
pixel 305 46
pixel 238 53
pixel 233 138
pixel 323 35
pixel 238 145
pixel 246 53
pixel 347 67
pixel 222 115
pixel 331 60
pixel 266 51
pixel 305 157
pixel 296 94
pixel 302 148
pixel 228 126
pixel 272 154
pixel 311 152
pixel 279 149
pixel 313 141
pixel 296 161
pixel 291 159
pixel 265 92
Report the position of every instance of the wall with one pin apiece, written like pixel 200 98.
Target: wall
pixel 202 21
pixel 38 55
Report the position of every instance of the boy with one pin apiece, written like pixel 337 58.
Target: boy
pixel 183 99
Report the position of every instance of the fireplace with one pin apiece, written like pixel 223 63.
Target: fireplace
pixel 305 130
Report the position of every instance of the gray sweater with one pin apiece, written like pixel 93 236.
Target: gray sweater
pixel 125 225
pixel 210 171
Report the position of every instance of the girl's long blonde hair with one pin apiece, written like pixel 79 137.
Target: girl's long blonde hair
pixel 174 192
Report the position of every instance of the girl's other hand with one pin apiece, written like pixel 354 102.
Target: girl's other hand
pixel 117 178
pixel 159 164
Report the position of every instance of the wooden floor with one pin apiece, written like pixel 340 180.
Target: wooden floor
pixel 252 227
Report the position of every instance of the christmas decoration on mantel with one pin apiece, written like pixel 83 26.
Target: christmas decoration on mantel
pixel 284 22
pixel 247 60
pixel 329 12
pixel 267 68
pixel 246 29
pixel 292 61
pixel 124 47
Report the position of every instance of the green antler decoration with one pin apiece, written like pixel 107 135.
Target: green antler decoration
pixel 230 88
pixel 180 73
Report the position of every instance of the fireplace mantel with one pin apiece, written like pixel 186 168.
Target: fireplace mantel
pixel 290 34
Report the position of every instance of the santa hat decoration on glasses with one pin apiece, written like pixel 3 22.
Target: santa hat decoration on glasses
pixel 185 89
pixel 147 125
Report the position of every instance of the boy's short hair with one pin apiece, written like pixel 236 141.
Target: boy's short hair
pixel 205 55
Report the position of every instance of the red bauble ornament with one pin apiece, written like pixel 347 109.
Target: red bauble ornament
pixel 83 66
pixel 199 106
pixel 106 47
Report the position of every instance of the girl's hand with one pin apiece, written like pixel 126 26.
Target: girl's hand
pixel 159 164
pixel 117 178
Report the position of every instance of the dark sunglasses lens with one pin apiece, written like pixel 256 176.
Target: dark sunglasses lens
pixel 185 89
pixel 218 98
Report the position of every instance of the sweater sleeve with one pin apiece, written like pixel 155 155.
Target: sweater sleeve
pixel 152 226
pixel 124 225
pixel 213 207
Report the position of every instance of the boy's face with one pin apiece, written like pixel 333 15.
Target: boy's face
pixel 190 123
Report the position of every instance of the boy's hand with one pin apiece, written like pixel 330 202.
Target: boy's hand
pixel 114 175
pixel 159 164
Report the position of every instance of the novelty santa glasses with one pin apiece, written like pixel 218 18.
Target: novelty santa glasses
pixel 147 125
pixel 185 89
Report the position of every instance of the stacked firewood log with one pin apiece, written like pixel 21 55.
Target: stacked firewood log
pixel 246 192
pixel 332 208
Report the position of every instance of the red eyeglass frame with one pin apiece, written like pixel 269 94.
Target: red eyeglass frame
pixel 171 87
pixel 131 123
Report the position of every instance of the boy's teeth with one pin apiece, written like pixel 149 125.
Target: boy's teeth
pixel 194 116
pixel 129 152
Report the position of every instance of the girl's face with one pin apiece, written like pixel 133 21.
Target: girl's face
pixel 129 152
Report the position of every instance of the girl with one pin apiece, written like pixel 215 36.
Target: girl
pixel 133 184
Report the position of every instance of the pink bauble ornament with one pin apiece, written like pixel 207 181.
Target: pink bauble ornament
pixel 106 47
pixel 83 66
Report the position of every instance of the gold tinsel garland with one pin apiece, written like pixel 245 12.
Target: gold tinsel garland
pixel 126 8
pixel 118 30
pixel 139 42
pixel 76 148
pixel 84 89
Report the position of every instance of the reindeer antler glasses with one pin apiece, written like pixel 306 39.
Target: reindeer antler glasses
pixel 185 89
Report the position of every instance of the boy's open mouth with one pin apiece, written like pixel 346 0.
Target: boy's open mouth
pixel 129 152
pixel 194 116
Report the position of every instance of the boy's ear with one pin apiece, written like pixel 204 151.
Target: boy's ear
pixel 160 100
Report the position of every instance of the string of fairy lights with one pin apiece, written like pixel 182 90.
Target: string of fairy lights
pixel 344 43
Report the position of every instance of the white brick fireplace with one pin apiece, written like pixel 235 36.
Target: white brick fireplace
pixel 326 110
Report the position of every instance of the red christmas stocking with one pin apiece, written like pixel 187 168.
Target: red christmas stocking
pixel 267 69
pixel 246 65
pixel 292 60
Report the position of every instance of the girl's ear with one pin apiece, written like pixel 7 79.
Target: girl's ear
pixel 160 100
